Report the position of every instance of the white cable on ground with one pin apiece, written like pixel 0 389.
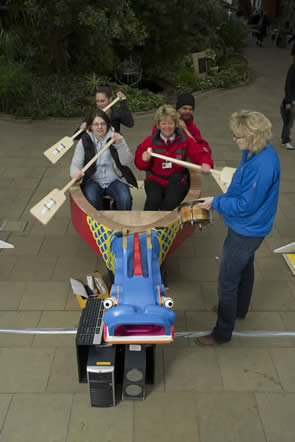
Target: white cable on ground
pixel 193 334
pixel 40 331
pixel 244 334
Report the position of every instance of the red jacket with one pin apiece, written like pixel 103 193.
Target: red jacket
pixel 195 132
pixel 180 148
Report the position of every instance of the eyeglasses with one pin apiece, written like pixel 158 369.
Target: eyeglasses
pixel 99 124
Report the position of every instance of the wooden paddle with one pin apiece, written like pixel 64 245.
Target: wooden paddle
pixel 51 203
pixel 55 152
pixel 225 174
pixel 5 245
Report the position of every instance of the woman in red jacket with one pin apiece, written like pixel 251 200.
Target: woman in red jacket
pixel 166 184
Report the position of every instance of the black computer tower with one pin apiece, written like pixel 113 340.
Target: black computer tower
pixel 101 375
pixel 138 370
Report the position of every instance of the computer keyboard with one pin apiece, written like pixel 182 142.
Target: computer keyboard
pixel 90 328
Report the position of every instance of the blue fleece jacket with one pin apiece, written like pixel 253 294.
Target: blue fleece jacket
pixel 250 203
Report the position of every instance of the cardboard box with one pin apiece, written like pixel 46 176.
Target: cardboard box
pixel 102 292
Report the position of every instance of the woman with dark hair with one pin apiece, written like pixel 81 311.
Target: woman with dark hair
pixel 103 177
pixel 118 115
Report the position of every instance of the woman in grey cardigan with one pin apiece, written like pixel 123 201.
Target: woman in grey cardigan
pixel 103 177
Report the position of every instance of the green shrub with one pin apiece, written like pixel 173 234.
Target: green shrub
pixel 233 72
pixel 14 84
pixel 139 100
pixel 232 33
pixel 61 96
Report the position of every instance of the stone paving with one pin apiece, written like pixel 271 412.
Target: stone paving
pixel 242 391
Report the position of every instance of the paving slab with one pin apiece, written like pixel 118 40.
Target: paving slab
pixel 192 369
pixel 205 269
pixel 5 400
pixel 7 264
pixel 288 319
pixel 66 245
pixel 25 370
pixel 27 183
pixel 209 295
pixel 284 361
pixel 228 416
pixel 57 226
pixel 200 321
pixel 24 245
pixel 13 202
pixel 17 320
pixel 47 295
pixel 277 415
pixel 247 369
pixel 186 296
pixel 57 319
pixel 93 424
pixel 64 374
pixel 72 303
pixel 10 225
pixel 37 417
pixel 207 247
pixel 11 293
pixel 159 380
pixel 24 172
pixel 36 268
pixel 273 268
pixel 261 321
pixel 70 267
pixel 273 296
pixel 153 418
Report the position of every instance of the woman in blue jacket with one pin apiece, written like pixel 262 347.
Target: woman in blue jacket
pixel 248 209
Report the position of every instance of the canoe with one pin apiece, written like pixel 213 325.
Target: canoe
pixel 97 228
pixel 133 245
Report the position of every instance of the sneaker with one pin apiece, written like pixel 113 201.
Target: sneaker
pixel 288 146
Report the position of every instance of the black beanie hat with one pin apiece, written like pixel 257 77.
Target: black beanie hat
pixel 185 100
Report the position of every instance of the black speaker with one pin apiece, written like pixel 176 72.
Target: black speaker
pixel 101 375
pixel 134 377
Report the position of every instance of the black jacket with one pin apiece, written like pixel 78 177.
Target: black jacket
pixel 121 115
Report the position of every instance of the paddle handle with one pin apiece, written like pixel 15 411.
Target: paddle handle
pixel 111 104
pixel 77 133
pixel 188 133
pixel 181 163
pixel 73 180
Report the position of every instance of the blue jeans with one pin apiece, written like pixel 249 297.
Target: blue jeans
pixel 235 282
pixel 117 190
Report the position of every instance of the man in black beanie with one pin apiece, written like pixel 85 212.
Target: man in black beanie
pixel 185 105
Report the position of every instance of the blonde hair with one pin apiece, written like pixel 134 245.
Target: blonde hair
pixel 166 111
pixel 254 126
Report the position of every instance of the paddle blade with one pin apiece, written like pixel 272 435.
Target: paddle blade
pixel 289 248
pixel 227 174
pixel 6 245
pixel 55 152
pixel 48 206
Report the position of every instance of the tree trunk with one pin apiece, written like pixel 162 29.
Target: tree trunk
pixel 60 52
